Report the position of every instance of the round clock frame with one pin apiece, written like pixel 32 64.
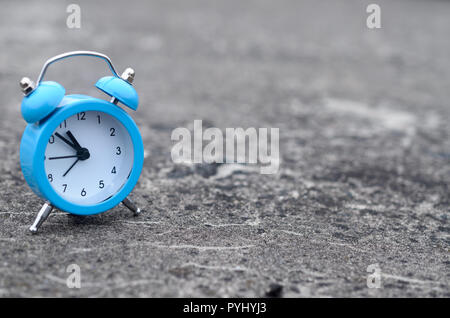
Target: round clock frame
pixel 35 139
pixel 45 106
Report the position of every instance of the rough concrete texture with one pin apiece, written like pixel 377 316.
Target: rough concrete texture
pixel 364 141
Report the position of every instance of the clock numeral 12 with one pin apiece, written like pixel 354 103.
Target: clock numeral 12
pixel 81 116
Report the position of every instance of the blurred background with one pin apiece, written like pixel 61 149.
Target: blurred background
pixel 364 143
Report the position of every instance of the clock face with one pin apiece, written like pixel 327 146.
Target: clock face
pixel 89 158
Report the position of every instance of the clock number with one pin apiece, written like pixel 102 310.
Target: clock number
pixel 113 169
pixel 112 132
pixel 50 177
pixel 51 140
pixel 65 187
pixel 65 124
pixel 98 118
pixel 101 185
pixel 118 152
pixel 81 116
pixel 83 193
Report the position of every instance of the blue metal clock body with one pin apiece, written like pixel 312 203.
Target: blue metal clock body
pixel 35 139
pixel 47 110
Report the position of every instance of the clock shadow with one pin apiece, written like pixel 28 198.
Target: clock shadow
pixel 98 219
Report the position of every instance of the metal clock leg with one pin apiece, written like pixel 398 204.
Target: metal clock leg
pixel 130 205
pixel 41 217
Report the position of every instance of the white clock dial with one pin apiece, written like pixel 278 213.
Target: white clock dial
pixel 89 158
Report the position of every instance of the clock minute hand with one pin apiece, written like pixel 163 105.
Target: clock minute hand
pixel 66 141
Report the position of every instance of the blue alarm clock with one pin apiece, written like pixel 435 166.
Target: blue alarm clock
pixel 83 155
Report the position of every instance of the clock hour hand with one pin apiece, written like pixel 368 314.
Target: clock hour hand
pixel 82 152
pixel 74 141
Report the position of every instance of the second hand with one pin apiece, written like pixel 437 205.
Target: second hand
pixel 71 167
pixel 63 157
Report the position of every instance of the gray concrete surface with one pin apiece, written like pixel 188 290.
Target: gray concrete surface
pixel 364 140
